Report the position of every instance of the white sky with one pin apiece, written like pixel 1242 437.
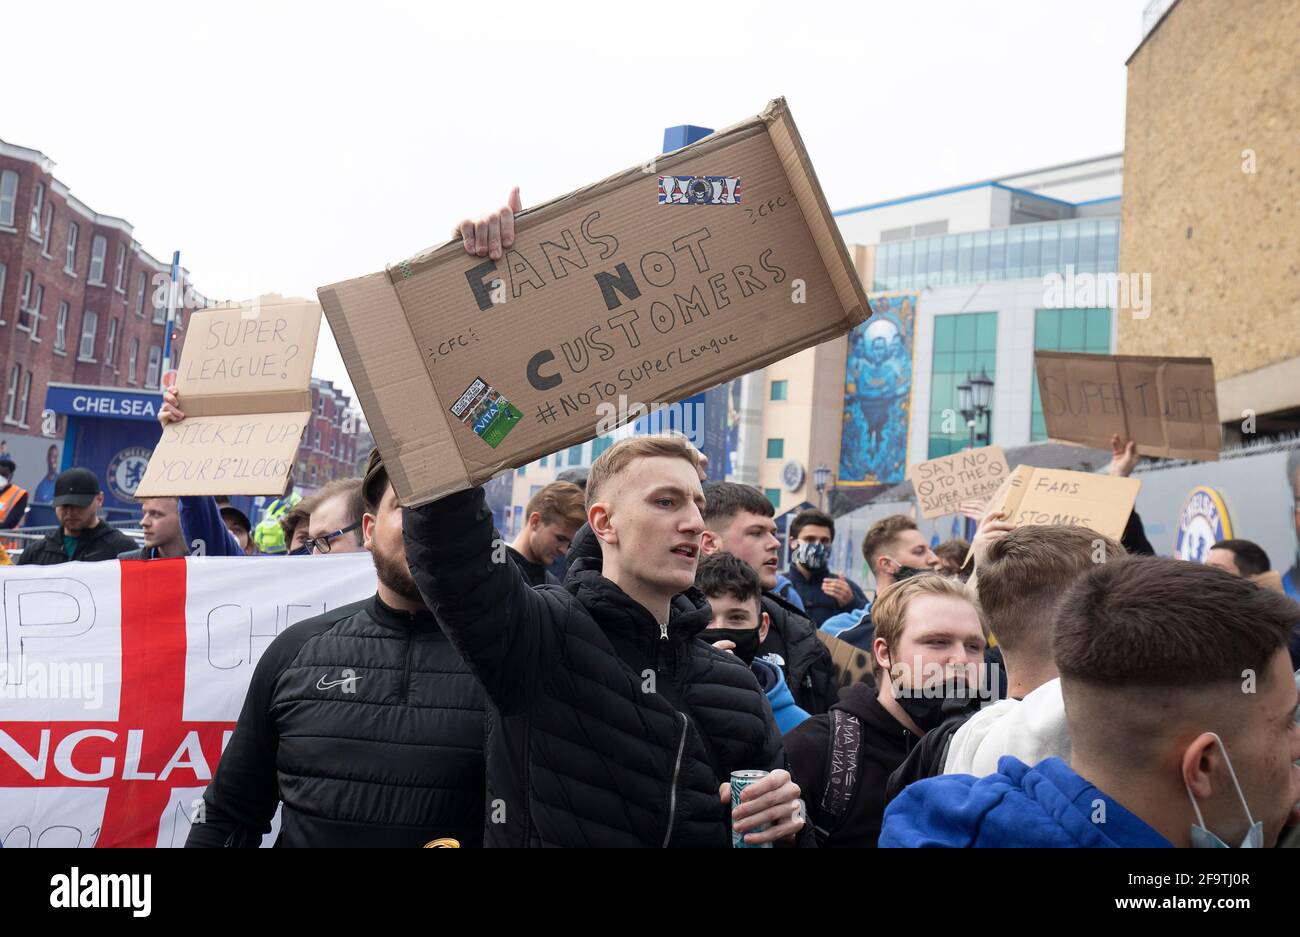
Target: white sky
pixel 281 146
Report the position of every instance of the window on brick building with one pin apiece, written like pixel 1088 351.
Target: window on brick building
pixel 38 203
pixel 312 475
pixel 334 447
pixel 160 304
pixel 8 197
pixel 155 364
pixel 70 261
pixel 131 359
pixel 316 444
pixel 4 273
pixel 23 396
pixel 141 282
pixel 29 315
pixel 45 232
pixel 98 253
pixel 89 326
pixel 11 396
pixel 25 299
pixel 110 346
pixel 36 312
pixel 119 273
pixel 61 329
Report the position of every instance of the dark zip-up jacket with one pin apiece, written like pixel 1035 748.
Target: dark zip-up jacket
pixel 883 745
pixel 101 542
pixel 605 728
pixel 369 728
pixel 818 605
pixel 808 669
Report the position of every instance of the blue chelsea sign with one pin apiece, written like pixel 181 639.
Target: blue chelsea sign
pixel 103 402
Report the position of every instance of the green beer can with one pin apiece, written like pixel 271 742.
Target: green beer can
pixel 739 781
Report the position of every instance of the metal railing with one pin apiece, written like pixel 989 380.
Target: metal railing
pixel 15 541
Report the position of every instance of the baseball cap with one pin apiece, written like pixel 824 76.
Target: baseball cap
pixel 230 512
pixel 77 487
pixel 575 476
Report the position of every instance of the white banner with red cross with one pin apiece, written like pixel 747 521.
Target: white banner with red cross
pixel 120 685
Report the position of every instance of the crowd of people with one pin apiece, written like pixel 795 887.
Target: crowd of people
pixel 600 679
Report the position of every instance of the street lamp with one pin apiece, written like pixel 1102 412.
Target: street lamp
pixel 821 476
pixel 975 399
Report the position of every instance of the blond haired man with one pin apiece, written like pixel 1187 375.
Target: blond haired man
pixel 927 654
pixel 610 722
pixel 551 519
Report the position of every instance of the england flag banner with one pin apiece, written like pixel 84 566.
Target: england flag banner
pixel 121 682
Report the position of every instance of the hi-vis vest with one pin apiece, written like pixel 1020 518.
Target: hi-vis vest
pixel 269 535
pixel 8 498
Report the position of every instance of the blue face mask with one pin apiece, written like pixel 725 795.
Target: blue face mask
pixel 1203 838
pixel 811 555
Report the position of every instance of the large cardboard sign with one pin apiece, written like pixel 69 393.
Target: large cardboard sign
pixel 245 386
pixel 1166 405
pixel 660 281
pixel 1032 496
pixel 945 484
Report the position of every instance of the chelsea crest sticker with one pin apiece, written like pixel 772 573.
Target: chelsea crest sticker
pixel 125 471
pixel 1202 523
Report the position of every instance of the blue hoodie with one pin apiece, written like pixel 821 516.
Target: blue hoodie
pixel 1047 805
pixel 785 589
pixel 784 709
pixel 854 627
pixel 201 520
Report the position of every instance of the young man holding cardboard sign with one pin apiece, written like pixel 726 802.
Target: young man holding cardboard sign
pixel 610 660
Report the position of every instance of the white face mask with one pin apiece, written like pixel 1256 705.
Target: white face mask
pixel 1203 838
pixel 4 480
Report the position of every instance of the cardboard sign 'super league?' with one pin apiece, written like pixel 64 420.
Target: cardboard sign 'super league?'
pixel 244 380
pixel 648 286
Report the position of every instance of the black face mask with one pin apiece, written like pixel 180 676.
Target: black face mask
pixel 745 639
pixel 907 572
pixel 928 710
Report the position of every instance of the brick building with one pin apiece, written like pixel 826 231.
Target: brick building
pixel 335 442
pixel 80 301
pixel 1211 185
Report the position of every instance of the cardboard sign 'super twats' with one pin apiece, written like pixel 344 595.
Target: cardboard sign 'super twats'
pixel 1166 405
pixel 244 382
pixel 660 281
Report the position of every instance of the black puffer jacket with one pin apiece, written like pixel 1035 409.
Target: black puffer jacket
pixel 367 725
pixel 603 728
pixel 807 663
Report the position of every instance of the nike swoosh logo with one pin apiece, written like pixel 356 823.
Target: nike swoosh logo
pixel 321 684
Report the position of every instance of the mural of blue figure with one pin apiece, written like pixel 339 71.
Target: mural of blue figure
pixel 877 395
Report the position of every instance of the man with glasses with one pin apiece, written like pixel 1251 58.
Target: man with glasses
pixel 334 525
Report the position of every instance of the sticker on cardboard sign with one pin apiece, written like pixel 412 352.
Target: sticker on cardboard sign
pixel 485 411
pixel 699 190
